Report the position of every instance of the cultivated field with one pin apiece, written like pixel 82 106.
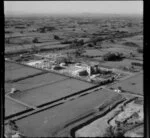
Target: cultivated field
pixel 12 66
pixel 111 41
pixel 97 128
pixel 132 85
pixel 36 81
pixel 51 120
pixel 15 71
pixel 11 107
pixel 51 92
pixel 120 64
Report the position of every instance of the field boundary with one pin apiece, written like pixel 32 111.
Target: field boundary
pixel 44 84
pixel 43 107
pixel 23 78
pixel 20 102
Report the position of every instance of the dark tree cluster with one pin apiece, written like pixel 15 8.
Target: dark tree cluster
pixel 113 56
pixel 66 60
pixel 97 70
pixel 8 32
pixel 34 49
pixel 46 29
pixel 96 40
pixel 131 44
pixel 35 40
pixel 58 68
pixel 66 42
pixel 56 37
pixel 136 64
pixel 83 73
pixel 79 52
pixel 140 50
pixel 77 43
pixel 20 27
pixel 7 41
pixel 90 45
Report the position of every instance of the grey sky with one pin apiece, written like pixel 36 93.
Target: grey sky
pixel 30 7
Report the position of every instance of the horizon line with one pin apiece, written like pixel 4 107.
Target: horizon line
pixel 82 13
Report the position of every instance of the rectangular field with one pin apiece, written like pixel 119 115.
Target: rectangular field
pixel 15 71
pixel 8 87
pixel 12 66
pixel 35 81
pixel 11 107
pixel 51 120
pixel 17 47
pixel 133 84
pixel 120 64
pixel 50 92
pixel 55 46
pixel 94 52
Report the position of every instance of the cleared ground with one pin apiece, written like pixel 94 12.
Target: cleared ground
pixel 50 92
pixel 12 107
pixel 133 84
pixel 47 122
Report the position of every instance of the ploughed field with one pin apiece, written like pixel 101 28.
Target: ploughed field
pixel 50 121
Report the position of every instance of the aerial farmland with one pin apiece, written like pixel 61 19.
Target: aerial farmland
pixel 73 75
